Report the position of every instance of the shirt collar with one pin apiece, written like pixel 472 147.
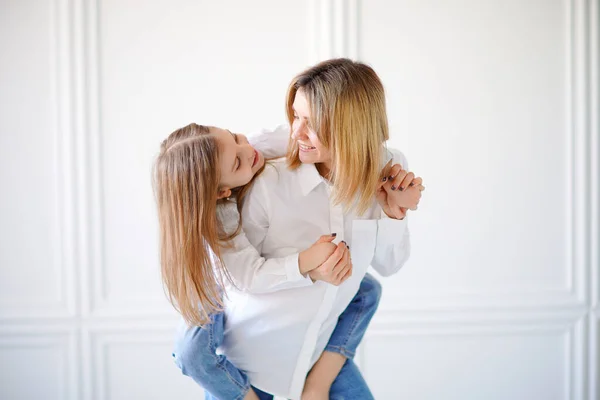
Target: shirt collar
pixel 309 178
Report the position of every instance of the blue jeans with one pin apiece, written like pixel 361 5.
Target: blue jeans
pixel 195 352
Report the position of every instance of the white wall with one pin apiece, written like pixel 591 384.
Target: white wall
pixel 495 104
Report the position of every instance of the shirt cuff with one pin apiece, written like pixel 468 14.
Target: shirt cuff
pixel 390 229
pixel 292 270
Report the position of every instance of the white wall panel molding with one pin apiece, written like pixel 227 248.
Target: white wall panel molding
pixel 91 247
pixel 99 341
pixel 63 303
pixel 334 28
pixel 582 177
pixel 573 329
pixel 594 107
pixel 594 356
pixel 57 340
pixel 579 139
pixel 93 285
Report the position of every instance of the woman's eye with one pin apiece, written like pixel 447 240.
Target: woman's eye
pixel 296 117
pixel 239 162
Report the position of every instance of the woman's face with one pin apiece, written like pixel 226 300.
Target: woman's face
pixel 311 151
pixel 239 161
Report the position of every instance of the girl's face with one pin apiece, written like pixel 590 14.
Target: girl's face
pixel 311 151
pixel 239 161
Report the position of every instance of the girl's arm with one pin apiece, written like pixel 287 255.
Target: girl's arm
pixel 248 269
pixel 272 143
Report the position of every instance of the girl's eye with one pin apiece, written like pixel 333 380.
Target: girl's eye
pixel 239 162
pixel 296 117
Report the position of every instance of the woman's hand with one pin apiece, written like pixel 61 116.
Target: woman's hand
pixel 324 261
pixel 336 269
pixel 316 254
pixel 399 191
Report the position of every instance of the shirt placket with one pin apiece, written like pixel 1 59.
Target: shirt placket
pixel 336 225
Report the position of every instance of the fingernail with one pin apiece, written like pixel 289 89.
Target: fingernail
pixel 384 179
pixel 334 234
pixel 348 247
pixel 401 188
pixel 343 241
pixel 411 184
pixel 393 187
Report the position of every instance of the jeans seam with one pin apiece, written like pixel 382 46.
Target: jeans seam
pixel 221 367
pixel 342 348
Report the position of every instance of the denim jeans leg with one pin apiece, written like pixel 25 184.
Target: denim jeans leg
pixel 261 395
pixel 350 384
pixel 353 322
pixel 195 354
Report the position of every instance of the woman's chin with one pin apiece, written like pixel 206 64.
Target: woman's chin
pixel 307 158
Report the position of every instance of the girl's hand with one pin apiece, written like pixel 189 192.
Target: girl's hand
pixel 399 191
pixel 336 269
pixel 316 254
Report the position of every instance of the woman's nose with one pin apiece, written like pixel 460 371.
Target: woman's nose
pixel 298 131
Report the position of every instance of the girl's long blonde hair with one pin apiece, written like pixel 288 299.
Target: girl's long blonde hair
pixel 348 113
pixel 186 183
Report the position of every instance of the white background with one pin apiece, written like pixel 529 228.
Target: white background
pixel 495 103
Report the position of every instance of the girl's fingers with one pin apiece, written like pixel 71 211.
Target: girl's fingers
pixel 342 264
pixel 335 258
pixel 347 274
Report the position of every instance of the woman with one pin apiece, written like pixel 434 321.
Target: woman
pixel 337 150
pixel 196 172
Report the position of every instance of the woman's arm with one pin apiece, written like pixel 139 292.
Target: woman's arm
pixel 393 237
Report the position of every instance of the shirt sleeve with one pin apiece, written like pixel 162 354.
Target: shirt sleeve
pixel 272 143
pixel 249 271
pixel 392 247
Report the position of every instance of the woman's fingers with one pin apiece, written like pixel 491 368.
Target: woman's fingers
pixel 326 238
pixel 408 178
pixel 416 182
pixel 385 172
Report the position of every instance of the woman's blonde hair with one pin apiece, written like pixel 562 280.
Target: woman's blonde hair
pixel 186 183
pixel 348 113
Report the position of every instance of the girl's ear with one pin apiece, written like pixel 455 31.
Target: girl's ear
pixel 223 193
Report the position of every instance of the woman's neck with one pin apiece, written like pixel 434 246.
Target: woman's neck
pixel 324 170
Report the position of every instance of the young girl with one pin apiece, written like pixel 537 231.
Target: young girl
pixel 339 128
pixel 198 174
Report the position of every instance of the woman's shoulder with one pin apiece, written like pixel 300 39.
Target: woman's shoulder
pixel 396 156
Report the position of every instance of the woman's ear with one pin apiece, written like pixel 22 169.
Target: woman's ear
pixel 223 193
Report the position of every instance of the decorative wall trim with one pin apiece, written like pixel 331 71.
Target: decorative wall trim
pixel 99 341
pixel 62 341
pixel 333 26
pixel 573 328
pixel 62 262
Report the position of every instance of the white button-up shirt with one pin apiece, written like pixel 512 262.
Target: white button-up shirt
pixel 276 337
